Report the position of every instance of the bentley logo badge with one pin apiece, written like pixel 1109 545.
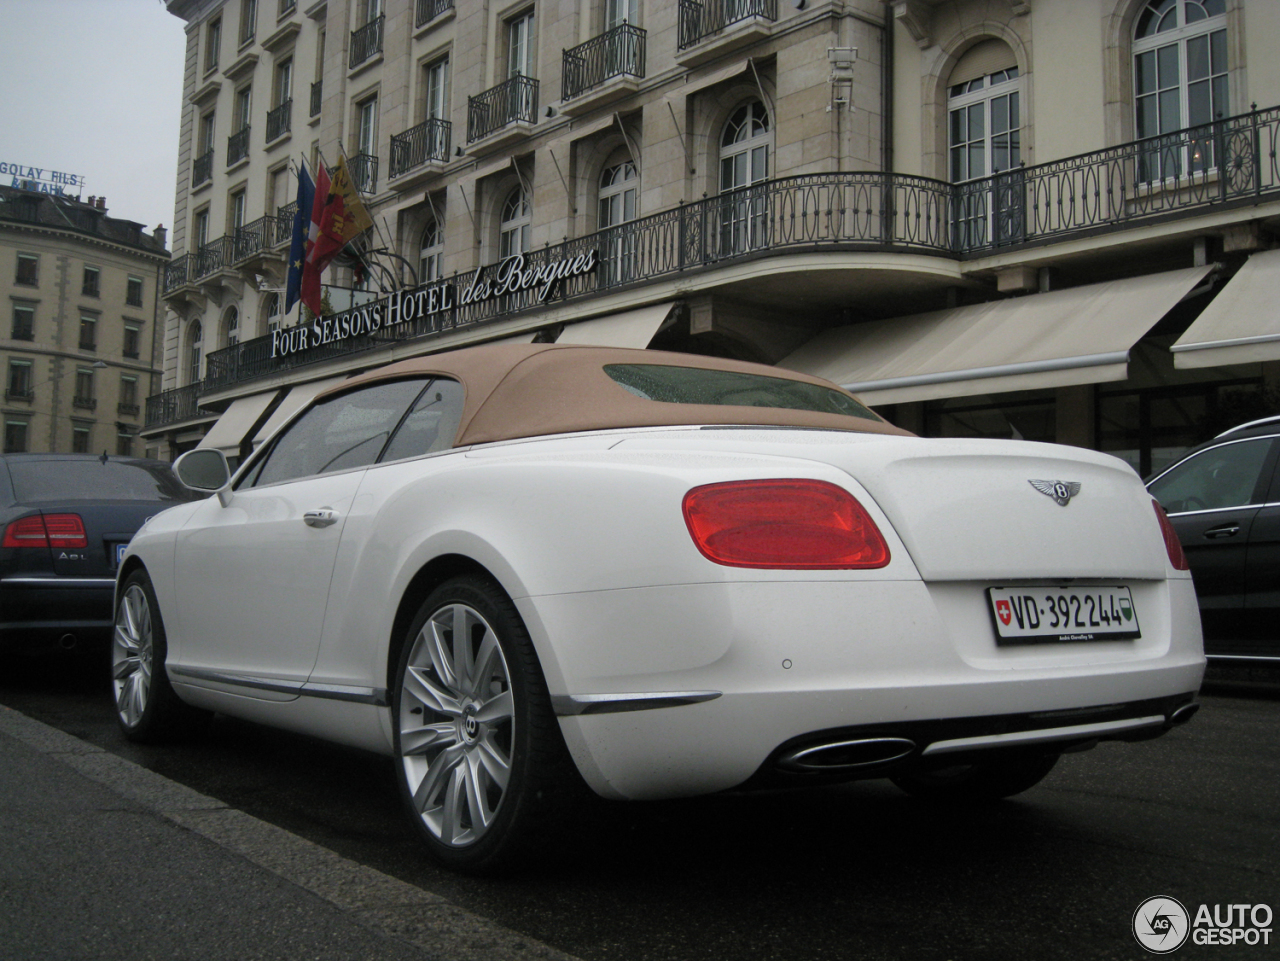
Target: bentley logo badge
pixel 1060 491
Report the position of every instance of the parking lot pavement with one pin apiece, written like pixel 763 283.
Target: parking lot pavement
pixel 100 858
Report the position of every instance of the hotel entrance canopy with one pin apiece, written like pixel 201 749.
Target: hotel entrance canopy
pixel 1242 324
pixel 1081 335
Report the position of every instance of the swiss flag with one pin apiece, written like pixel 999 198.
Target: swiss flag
pixel 1004 612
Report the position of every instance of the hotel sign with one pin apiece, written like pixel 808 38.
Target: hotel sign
pixel 511 276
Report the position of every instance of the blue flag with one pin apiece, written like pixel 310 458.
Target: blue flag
pixel 298 246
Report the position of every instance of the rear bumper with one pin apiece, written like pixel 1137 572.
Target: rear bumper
pixel 792 664
pixel 35 612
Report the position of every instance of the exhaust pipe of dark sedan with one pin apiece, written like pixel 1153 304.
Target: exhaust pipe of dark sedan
pixel 845 755
pixel 67 641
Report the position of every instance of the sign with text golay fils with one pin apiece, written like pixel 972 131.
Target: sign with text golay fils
pixel 41 180
pixel 511 276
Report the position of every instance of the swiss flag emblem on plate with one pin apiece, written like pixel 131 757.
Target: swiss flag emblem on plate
pixel 1004 612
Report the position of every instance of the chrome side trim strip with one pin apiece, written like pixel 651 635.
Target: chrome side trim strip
pixel 569 705
pixel 1243 657
pixel 379 697
pixel 61 581
pixel 1044 735
pixel 1001 370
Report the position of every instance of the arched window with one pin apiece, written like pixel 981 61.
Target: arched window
pixel 272 307
pixel 618 183
pixel 231 327
pixel 514 229
pixel 984 138
pixel 745 144
pixel 1179 80
pixel 193 352
pixel 431 250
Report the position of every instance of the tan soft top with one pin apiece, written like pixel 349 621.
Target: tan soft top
pixel 526 390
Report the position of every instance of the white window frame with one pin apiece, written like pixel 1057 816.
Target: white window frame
pixel 515 227
pixel 430 252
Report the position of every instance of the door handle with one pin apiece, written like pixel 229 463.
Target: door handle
pixel 1226 530
pixel 323 517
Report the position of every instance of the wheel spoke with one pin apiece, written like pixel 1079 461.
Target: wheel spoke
pixel 435 776
pixel 496 709
pixel 129 665
pixel 496 763
pixel 419 684
pixel 477 800
pixel 482 670
pixel 461 662
pixel 439 651
pixel 454 794
pixel 415 741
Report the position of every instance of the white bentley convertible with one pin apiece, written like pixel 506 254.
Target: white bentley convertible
pixel 512 567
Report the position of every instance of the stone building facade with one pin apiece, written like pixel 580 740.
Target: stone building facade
pixel 79 348
pixel 991 217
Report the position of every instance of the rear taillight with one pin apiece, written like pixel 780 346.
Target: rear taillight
pixel 789 524
pixel 1171 543
pixel 48 530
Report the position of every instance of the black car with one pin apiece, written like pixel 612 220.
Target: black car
pixel 1223 499
pixel 66 519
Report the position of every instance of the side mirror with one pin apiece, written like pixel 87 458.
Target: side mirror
pixel 204 469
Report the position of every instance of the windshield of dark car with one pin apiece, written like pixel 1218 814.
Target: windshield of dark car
pixel 726 388
pixel 35 481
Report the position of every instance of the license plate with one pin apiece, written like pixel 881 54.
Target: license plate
pixel 1046 615
pixel 120 549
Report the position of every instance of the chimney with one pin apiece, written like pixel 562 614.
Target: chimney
pixel 161 236
pixel 102 203
pixel 93 201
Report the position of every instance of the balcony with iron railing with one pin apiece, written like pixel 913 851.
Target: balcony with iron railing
pixel 700 20
pixel 238 146
pixel 202 168
pixel 279 120
pixel 317 90
pixel 84 403
pixel 426 143
pixel 366 42
pixel 1229 164
pixel 363 168
pixel 514 101
pixel 24 394
pixel 618 53
pixel 174 406
pixel 237 248
pixel 427 10
pixel 128 410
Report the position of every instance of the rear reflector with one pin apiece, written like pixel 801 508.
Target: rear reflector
pixel 1171 543
pixel 49 530
pixel 786 524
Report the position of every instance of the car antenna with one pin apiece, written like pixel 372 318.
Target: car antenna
pixel 103 458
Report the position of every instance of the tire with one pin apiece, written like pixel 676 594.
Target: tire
pixel 147 708
pixel 989 780
pixel 481 763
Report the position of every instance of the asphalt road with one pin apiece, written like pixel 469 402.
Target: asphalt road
pixel 857 871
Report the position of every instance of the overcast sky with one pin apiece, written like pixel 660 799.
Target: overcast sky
pixel 94 88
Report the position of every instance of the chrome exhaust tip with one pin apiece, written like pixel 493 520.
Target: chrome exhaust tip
pixel 848 755
pixel 67 642
pixel 1185 713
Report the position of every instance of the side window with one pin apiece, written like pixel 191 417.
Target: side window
pixel 432 423
pixel 339 433
pixel 1220 477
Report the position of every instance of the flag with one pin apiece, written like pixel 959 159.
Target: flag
pixel 298 246
pixel 310 285
pixel 344 218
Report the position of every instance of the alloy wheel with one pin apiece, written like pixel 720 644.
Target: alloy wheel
pixel 132 656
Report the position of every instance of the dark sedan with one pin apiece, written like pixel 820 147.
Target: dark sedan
pixel 1223 499
pixel 66 519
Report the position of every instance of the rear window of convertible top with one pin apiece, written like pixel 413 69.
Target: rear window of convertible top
pixel 727 388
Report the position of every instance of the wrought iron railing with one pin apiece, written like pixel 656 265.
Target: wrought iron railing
pixel 317 91
pixel 703 18
pixel 366 41
pixel 129 410
pixel 363 168
pixel 279 120
pixel 620 52
pixel 85 403
pixel 1124 187
pixel 241 244
pixel 172 406
pixel 428 10
pixel 19 393
pixel 202 168
pixel 238 145
pixel 427 142
pixel 512 101
pixel 213 256
pixel 176 273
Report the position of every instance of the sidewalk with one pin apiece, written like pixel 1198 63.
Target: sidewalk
pixel 103 859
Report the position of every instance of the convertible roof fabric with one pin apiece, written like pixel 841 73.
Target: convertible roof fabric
pixel 517 390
